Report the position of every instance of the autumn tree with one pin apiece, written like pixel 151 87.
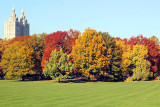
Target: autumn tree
pixel 90 54
pixel 37 41
pixel 73 34
pixel 153 50
pixel 59 65
pixel 17 60
pixel 142 70
pixel 19 39
pixel 115 60
pixel 59 40
pixel 125 55
pixel 1 73
pixel 154 38
pixel 38 44
pixel 141 66
pixel 135 65
pixel 3 45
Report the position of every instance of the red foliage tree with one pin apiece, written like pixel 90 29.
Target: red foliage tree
pixel 20 39
pixel 59 40
pixel 153 50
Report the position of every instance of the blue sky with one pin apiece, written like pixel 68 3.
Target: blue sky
pixel 121 18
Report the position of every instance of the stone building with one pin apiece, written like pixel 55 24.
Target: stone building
pixel 14 27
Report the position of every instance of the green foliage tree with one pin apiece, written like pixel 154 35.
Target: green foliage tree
pixel 59 65
pixel 17 60
pixel 115 61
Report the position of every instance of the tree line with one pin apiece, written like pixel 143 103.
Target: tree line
pixel 70 54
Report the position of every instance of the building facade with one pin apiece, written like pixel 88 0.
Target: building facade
pixel 14 27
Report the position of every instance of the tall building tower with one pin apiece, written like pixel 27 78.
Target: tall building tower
pixel 14 27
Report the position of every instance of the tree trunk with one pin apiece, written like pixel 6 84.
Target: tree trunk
pixel 22 78
pixel 89 79
pixel 59 80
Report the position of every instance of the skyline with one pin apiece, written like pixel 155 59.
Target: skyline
pixel 119 18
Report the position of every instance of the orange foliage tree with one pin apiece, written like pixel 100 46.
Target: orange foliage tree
pixel 90 54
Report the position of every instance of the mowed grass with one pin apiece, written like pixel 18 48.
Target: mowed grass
pixel 53 94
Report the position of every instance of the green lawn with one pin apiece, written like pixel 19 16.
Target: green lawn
pixel 50 93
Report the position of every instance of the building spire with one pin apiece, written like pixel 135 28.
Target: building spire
pixel 13 10
pixel 22 15
pixel 22 12
pixel 22 18
pixel 13 15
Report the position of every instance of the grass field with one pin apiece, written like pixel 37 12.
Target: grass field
pixel 51 93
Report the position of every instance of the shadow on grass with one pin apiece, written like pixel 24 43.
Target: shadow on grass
pixel 69 81
pixel 81 81
pixel 28 80
pixel 20 81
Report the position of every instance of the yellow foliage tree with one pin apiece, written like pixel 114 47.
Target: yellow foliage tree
pixel 134 64
pixel 141 66
pixel 126 62
pixel 3 45
pixel 17 60
pixel 90 54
